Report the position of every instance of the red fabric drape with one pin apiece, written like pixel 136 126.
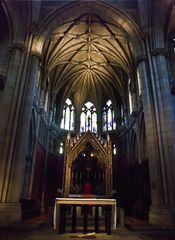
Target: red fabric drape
pixel 53 181
pixel 38 173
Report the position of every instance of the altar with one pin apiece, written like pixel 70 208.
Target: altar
pixel 87 185
pixel 60 213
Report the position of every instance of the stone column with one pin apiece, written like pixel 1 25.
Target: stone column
pixel 19 99
pixel 25 123
pixel 24 129
pixel 9 123
pixel 165 123
pixel 160 209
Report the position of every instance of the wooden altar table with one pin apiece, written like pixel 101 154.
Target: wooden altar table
pixel 61 203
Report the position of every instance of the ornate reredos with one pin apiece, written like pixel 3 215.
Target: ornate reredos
pixel 103 152
pixel 78 144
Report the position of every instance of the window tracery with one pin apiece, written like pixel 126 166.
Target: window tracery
pixel 108 118
pixel 88 118
pixel 67 121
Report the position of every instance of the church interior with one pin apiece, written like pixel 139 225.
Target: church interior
pixel 87 110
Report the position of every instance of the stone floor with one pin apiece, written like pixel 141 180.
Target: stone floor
pixel 40 230
pixel 47 233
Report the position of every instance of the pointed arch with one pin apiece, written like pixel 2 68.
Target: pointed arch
pixel 108 117
pixel 88 118
pixel 68 121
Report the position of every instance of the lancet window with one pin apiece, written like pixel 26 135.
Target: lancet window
pixel 67 121
pixel 88 118
pixel 108 119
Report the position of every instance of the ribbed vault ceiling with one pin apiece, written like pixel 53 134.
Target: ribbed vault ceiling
pixel 87 58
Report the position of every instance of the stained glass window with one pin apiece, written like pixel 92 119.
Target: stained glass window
pixel 88 118
pixel 108 118
pixel 67 121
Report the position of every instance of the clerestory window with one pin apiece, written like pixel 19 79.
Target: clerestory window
pixel 108 119
pixel 88 118
pixel 67 121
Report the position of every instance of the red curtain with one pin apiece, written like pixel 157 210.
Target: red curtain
pixel 53 179
pixel 38 173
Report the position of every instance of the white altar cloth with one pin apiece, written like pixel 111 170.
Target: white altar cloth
pixel 85 201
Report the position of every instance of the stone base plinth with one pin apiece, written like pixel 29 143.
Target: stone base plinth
pixel 9 212
pixel 161 215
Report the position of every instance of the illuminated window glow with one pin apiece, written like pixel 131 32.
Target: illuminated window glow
pixel 88 118
pixel 67 121
pixel 114 149
pixel 108 118
pixel 61 149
